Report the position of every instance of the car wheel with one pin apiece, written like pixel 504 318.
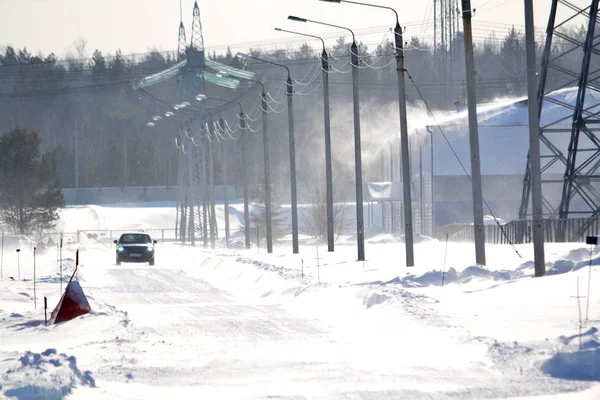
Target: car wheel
pixel 118 261
pixel 151 262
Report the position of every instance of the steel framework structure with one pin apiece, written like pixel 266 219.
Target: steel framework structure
pixel 568 135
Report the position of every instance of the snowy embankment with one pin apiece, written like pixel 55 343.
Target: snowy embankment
pixel 246 324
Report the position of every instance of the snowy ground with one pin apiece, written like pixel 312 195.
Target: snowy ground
pixel 245 324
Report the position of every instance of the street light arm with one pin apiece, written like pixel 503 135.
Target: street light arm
pixel 292 18
pixel 266 61
pixel 255 81
pixel 366 4
pixel 302 34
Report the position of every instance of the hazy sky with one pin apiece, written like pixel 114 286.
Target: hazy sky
pixel 135 26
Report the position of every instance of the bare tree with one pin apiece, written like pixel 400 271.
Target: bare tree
pixel 314 214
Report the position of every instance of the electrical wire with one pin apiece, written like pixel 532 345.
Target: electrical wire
pixel 310 91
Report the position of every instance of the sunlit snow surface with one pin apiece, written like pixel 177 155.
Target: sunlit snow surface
pixel 247 325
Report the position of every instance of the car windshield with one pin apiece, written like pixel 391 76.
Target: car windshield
pixel 135 238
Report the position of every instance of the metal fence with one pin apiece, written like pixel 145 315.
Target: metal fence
pixel 519 231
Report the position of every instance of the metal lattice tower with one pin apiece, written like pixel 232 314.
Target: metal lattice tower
pixel 197 39
pixel 446 30
pixel 569 136
pixel 182 42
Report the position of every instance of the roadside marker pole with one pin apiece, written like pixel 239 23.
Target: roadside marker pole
pixel 2 256
pixel 34 291
pixel 445 254
pixel 578 297
pixel 60 255
pixel 19 263
pixel 318 268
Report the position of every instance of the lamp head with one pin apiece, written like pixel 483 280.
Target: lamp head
pixel 297 19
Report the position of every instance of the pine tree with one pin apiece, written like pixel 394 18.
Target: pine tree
pixel 30 193
pixel 258 215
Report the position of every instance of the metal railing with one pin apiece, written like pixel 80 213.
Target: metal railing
pixel 520 231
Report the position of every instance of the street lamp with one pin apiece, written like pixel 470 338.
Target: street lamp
pixel 398 41
pixel 201 97
pixel 267 160
pixel 360 232
pixel 292 146
pixel 328 169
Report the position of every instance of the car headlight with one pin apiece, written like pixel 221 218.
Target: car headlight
pixel 150 248
pixel 120 249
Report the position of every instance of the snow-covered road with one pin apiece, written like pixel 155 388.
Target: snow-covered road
pixel 188 338
pixel 217 325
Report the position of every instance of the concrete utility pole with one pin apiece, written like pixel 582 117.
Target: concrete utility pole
pixel 242 118
pixel 204 179
pixel 192 222
pixel 534 145
pixel 360 232
pixel 268 211
pixel 326 112
pixel 211 184
pixel 245 167
pixel 328 167
pixel 407 201
pixel 408 218
pixel 292 147
pixel 473 136
pixel 182 197
pixel 225 191
pixel 76 161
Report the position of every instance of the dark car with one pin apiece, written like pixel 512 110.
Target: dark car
pixel 135 247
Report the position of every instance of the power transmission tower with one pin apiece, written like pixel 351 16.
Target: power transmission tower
pixel 181 42
pixel 569 141
pixel 446 29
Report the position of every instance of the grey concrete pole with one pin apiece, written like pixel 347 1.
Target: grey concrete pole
pixel 328 169
pixel 534 145
pixel 76 161
pixel 290 92
pixel 192 222
pixel 360 234
pixel 245 168
pixel 225 194
pixel 204 179
pixel 474 136
pixel 404 147
pixel 268 210
pixel 182 205
pixel 211 184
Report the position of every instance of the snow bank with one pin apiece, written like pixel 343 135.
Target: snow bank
pixel 582 364
pixel 45 375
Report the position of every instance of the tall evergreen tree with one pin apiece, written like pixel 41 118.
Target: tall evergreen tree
pixel 30 193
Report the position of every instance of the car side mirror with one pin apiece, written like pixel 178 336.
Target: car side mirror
pixel 115 242
pixel 155 241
